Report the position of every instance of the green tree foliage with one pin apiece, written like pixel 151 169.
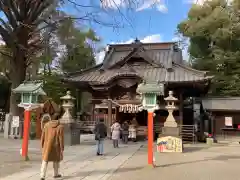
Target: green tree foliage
pixel 54 87
pixel 79 53
pixel 214 31
pixel 22 27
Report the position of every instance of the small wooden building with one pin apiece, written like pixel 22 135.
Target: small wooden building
pixel 126 65
pixel 224 115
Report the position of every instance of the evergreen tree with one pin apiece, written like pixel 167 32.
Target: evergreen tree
pixel 214 32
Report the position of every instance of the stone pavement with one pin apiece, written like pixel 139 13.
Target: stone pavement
pixel 80 162
pixel 198 162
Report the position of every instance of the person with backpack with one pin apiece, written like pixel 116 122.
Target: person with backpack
pixel 100 132
pixel 125 132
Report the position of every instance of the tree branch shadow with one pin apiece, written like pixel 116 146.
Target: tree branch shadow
pixel 101 172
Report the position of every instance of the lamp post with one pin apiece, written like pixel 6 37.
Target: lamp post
pixel 30 92
pixel 149 92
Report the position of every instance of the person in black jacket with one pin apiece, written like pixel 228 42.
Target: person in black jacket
pixel 100 131
pixel 125 132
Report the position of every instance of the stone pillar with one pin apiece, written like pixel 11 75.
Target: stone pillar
pixel 71 132
pixel 170 125
pixel 7 125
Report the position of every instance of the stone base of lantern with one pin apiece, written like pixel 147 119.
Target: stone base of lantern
pixel 171 131
pixel 71 134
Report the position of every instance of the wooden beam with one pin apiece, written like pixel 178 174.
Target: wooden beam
pixel 181 108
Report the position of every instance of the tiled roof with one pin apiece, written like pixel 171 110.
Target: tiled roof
pixel 160 53
pixel 163 64
pixel 221 103
pixel 96 76
pixel 165 57
pixel 30 87
pixel 180 73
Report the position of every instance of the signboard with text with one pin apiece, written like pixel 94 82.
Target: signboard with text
pixel 169 144
pixel 228 121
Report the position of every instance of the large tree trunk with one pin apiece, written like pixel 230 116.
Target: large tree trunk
pixel 18 74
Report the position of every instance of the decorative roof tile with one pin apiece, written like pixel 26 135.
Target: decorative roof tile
pixel 151 87
pixel 30 87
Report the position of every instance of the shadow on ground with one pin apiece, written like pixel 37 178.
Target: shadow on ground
pixel 194 149
pixel 99 172
pixel 218 158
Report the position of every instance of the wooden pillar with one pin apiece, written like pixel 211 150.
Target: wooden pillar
pixel 109 117
pixel 92 112
pixel 38 123
pixel 150 138
pixel 27 118
pixel 117 113
pixel 77 101
pixel 181 109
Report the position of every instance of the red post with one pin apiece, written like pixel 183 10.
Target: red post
pixel 26 128
pixel 150 138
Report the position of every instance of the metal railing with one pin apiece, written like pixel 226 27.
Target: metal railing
pixel 89 123
pixel 187 132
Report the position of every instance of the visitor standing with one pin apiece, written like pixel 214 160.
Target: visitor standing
pixel 100 131
pixel 125 132
pixel 116 131
pixel 133 130
pixel 52 141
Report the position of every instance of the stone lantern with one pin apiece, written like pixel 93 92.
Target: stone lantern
pixel 170 140
pixel 71 130
pixel 67 105
pixel 171 106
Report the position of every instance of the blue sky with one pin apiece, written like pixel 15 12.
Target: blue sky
pixel 148 20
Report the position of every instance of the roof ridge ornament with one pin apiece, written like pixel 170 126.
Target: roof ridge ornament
pixel 136 43
pixel 137 40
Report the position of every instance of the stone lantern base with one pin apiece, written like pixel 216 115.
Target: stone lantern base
pixel 71 134
pixel 171 131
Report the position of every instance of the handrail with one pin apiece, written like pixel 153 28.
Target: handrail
pixel 187 132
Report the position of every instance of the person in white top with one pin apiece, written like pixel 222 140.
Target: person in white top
pixel 133 130
pixel 116 131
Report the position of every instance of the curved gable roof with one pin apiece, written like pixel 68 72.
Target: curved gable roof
pixel 172 71
pixel 162 54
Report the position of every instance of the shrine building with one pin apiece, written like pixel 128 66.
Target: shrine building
pixel 113 83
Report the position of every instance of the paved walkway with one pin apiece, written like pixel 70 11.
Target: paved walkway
pixel 199 162
pixel 81 163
